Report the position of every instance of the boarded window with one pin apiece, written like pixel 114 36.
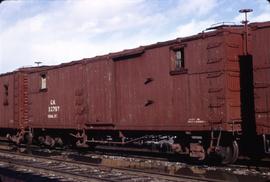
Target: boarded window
pixel 179 59
pixel 5 95
pixel 43 82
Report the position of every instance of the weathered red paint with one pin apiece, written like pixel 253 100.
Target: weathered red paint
pixel 14 106
pixel 112 91
pixel 57 106
pixel 260 44
pixel 139 89
pixel 6 104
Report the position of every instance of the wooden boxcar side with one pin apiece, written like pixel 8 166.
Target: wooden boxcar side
pixel 54 96
pixel 202 95
pixel 98 95
pixel 261 63
pixel 190 89
pixel 141 89
pixel 7 119
pixel 14 106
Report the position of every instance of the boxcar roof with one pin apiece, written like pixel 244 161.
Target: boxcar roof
pixel 212 31
pixel 259 25
pixel 26 69
pixel 140 49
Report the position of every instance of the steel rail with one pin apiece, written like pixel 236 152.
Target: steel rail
pixel 133 172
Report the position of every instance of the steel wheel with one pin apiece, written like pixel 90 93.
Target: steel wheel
pixel 229 154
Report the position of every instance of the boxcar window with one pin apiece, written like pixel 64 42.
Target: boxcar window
pixel 5 94
pixel 43 82
pixel 179 59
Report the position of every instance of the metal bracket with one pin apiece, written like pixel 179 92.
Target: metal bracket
pixel 266 143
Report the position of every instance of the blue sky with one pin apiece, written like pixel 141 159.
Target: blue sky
pixel 56 31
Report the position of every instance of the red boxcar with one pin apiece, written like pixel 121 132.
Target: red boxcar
pixel 14 105
pixel 126 89
pixel 186 95
pixel 7 103
pixel 260 44
pixel 261 61
pixel 187 87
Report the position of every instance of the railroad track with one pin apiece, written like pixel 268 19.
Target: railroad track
pixel 65 170
pixel 240 163
pixel 154 166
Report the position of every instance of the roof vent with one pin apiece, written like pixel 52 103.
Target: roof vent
pixel 221 25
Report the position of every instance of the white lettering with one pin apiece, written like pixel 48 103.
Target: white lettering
pixel 53 109
pixel 52 102
pixel 195 120
pixel 52 116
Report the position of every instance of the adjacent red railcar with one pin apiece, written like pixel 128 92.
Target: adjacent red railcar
pixel 188 95
pixel 15 105
pixel 7 101
pixel 260 44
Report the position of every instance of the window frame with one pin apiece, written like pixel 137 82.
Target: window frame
pixel 6 93
pixel 181 69
pixel 43 76
pixel 179 62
